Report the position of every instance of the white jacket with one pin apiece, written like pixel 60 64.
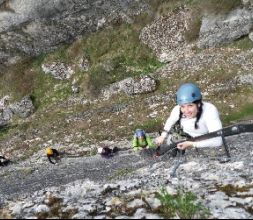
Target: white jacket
pixel 208 122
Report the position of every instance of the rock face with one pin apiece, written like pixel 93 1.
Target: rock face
pixel 31 27
pixel 165 36
pixel 247 2
pixel 125 185
pixel 217 30
pixel 24 108
pixel 5 116
pixel 132 86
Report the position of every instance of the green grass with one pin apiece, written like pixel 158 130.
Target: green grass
pixel 47 89
pixel 243 43
pixel 59 55
pixel 7 129
pixel 183 204
pixel 17 80
pixel 245 112
pixel 215 6
pixel 232 190
pixel 116 54
pixel 163 7
pixel 149 126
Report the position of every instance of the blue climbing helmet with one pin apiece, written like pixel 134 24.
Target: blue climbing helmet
pixel 139 133
pixel 188 93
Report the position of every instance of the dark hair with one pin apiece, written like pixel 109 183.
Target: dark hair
pixel 199 113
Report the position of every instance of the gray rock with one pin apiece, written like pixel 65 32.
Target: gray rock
pixel 41 209
pixel 247 2
pixel 165 36
pixel 245 79
pixel 217 30
pixel 31 27
pixel 235 213
pixel 16 209
pixel 58 70
pixel 135 203
pixel 140 214
pixel 24 108
pixel 5 116
pixel 132 86
pixel 81 216
pixel 225 189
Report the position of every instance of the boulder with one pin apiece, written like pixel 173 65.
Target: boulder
pixel 24 108
pixel 132 86
pixel 217 30
pixel 165 36
pixel 58 70
pixel 5 116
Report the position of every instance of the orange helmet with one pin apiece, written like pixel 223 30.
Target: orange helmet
pixel 49 151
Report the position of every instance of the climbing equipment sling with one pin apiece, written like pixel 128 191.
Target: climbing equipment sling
pixel 224 132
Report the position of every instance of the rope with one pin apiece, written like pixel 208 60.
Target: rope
pixel 178 163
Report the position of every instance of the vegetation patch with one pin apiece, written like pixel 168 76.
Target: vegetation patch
pixel 18 80
pixel 150 125
pixel 244 113
pixel 183 204
pixel 216 6
pixel 243 43
pixel 56 206
pixel 232 190
pixel 116 54
pixel 5 214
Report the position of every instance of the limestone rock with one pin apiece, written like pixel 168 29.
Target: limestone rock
pixel 132 86
pixel 58 70
pixel 217 30
pixel 24 108
pixel 165 36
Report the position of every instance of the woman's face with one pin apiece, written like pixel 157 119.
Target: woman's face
pixel 189 110
pixel 141 138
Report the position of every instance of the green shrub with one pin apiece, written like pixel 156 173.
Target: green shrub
pixel 183 204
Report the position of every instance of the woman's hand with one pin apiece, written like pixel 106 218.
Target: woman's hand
pixel 184 145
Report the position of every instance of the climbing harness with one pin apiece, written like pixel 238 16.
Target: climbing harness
pixel 227 131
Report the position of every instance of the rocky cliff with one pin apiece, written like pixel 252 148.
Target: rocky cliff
pixel 126 185
pixel 34 27
pixel 134 66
